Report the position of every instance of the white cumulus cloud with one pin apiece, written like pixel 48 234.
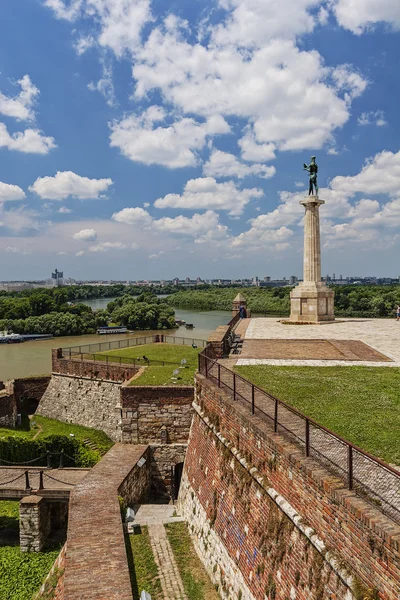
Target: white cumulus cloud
pixel 67 183
pixel 172 146
pixel 20 106
pixel 105 246
pixel 86 235
pixel 360 15
pixel 9 192
pixel 224 164
pixel 205 193
pixel 380 175
pixel 120 22
pixel 30 141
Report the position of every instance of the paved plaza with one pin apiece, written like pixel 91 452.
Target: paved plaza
pixel 381 335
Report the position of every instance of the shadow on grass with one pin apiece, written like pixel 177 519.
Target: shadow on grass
pixel 131 565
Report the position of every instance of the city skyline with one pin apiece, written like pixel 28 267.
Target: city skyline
pixel 153 136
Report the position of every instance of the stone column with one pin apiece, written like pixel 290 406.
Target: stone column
pixel 34 527
pixel 312 240
pixel 311 301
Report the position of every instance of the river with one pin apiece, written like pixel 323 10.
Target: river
pixel 34 358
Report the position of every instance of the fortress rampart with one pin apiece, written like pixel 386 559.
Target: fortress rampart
pixel 270 523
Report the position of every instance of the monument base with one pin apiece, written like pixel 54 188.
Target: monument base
pixel 311 303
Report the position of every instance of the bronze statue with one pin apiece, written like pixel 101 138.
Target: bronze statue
pixel 312 168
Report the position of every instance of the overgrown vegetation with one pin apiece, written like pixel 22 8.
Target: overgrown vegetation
pixel 51 311
pixel 142 566
pixel 18 445
pixel 21 573
pixel 195 580
pixel 158 373
pixel 350 300
pixel 362 404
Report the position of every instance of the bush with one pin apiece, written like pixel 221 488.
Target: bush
pixel 20 450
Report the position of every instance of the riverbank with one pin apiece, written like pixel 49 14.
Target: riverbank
pixel 34 358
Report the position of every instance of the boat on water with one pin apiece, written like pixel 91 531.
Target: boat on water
pixel 17 338
pixel 189 326
pixel 180 322
pixel 111 329
pixel 10 338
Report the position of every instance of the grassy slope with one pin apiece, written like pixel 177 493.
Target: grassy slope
pixel 53 427
pixel 144 571
pixel 21 573
pixel 195 580
pixel 362 404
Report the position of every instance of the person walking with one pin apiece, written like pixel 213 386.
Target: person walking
pixel 398 313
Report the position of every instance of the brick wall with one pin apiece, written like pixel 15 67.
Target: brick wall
pixel 164 458
pixel 47 589
pixel 8 406
pixel 218 342
pixel 96 565
pixel 270 523
pixel 29 388
pixel 91 369
pixel 90 402
pixel 156 414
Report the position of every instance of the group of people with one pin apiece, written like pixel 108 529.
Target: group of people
pixel 242 312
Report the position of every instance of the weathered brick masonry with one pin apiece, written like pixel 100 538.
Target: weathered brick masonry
pixel 96 566
pixel 83 401
pixel 270 523
pixel 159 416
pixel 156 414
pixel 8 406
pixel 92 369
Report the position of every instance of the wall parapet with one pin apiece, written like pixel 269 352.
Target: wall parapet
pixel 81 367
pixel 254 500
pixel 96 564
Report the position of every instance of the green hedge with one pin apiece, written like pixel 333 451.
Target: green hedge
pixel 20 450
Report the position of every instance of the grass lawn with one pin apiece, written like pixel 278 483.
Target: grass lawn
pixel 196 582
pixel 362 404
pixel 172 354
pixel 43 427
pixel 142 566
pixel 157 374
pixel 21 573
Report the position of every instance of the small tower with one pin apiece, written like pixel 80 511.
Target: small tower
pixel 237 303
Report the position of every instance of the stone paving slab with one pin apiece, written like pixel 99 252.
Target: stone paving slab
pixel 170 578
pixel 294 349
pixel 380 334
pixel 155 514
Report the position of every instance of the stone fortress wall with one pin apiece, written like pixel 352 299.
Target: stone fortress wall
pixel 270 523
pixel 158 416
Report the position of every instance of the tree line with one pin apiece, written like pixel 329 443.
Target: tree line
pixel 48 311
pixel 350 301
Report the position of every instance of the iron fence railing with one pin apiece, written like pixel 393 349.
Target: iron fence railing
pixel 132 342
pixel 374 480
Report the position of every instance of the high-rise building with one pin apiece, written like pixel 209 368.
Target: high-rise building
pixel 175 281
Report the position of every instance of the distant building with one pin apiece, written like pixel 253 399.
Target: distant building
pixel 57 277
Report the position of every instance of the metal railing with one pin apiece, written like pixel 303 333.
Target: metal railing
pixel 132 342
pixel 370 477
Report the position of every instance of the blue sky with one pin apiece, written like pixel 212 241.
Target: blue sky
pixel 142 139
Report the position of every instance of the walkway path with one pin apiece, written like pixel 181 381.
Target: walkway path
pixel 380 334
pixel 170 578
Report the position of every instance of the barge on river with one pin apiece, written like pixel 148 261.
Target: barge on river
pixel 16 338
pixel 111 329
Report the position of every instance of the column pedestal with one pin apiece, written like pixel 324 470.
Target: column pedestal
pixel 311 301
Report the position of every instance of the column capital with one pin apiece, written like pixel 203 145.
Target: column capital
pixel 311 201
